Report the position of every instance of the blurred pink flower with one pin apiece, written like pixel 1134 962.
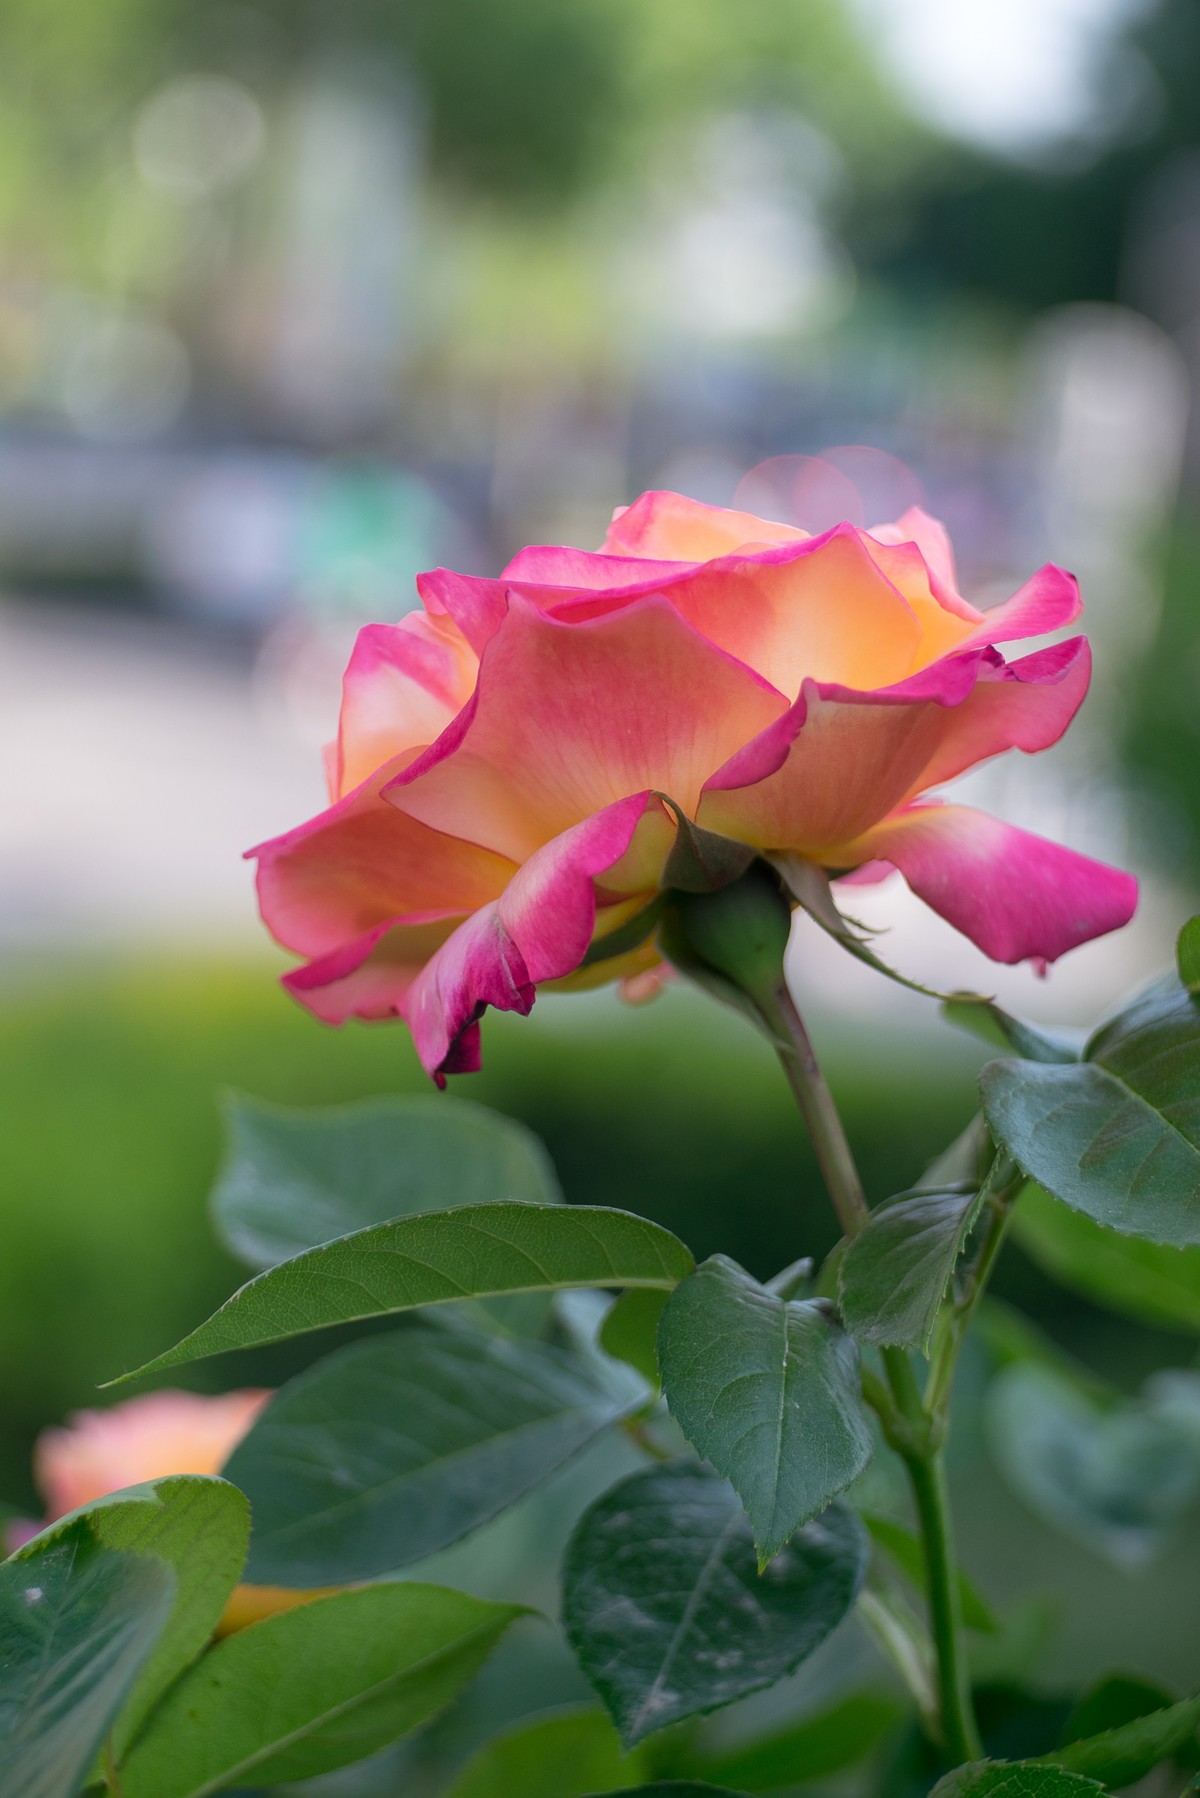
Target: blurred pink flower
pixel 149 1438
pixel 498 777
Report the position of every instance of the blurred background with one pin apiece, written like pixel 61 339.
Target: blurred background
pixel 296 300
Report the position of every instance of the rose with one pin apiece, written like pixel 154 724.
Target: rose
pixel 503 757
pixel 150 1438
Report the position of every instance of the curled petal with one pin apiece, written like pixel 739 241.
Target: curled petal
pixel 1017 896
pixel 568 719
pixel 585 571
pixel 538 930
pixel 360 865
pixel 932 539
pixel 671 528
pixel 402 686
pixel 1048 601
pixel 821 607
pixel 371 975
pixel 1024 705
pixel 840 760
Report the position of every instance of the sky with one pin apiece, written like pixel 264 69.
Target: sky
pixel 1019 76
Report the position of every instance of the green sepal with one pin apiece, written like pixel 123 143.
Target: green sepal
pixel 732 942
pixel 702 861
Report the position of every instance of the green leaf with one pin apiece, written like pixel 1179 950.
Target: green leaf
pixel 1122 1755
pixel 294 1179
pixel 200 1528
pixel 895 1272
pixel 989 1021
pixel 1012 1779
pixel 664 1607
pixel 767 1390
pixel 1187 955
pixel 393 1447
pixel 675 1788
pixel 630 1331
pixel 1117 1135
pixel 313 1688
pixel 569 1755
pixel 905 1549
pixel 434 1258
pixel 1116 1699
pixel 811 1749
pixel 1116 1477
pixel 963 1164
pixel 77 1625
pixel 1149 1281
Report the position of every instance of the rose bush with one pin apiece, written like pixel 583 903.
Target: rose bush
pixel 500 781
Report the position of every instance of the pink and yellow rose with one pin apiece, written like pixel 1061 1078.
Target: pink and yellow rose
pixel 498 781
pixel 150 1438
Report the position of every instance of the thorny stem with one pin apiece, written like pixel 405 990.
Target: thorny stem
pixel 904 1410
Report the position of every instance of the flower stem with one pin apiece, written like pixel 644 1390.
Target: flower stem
pixel 927 1476
pixel 906 1417
pixel 819 1112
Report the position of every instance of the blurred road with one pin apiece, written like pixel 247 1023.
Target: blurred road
pixel 141 764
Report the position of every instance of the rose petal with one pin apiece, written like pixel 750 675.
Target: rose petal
pixel 841 760
pixel 569 718
pixel 582 570
pixel 402 686
pixel 1015 895
pixel 837 762
pixel 371 975
pixel 362 864
pixel 539 929
pixel 675 529
pixel 932 540
pixel 146 1438
pixel 1048 601
pixel 1026 705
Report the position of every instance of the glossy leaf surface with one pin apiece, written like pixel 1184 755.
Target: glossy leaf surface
pixel 197 1525
pixel 313 1688
pixel 1117 1136
pixel 435 1258
pixel 666 1610
pixel 1122 1755
pixel 1012 1779
pixel 895 1272
pixel 78 1623
pixel 294 1179
pixel 393 1447
pixel 767 1390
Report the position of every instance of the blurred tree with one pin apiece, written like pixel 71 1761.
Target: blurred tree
pixel 1038 236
